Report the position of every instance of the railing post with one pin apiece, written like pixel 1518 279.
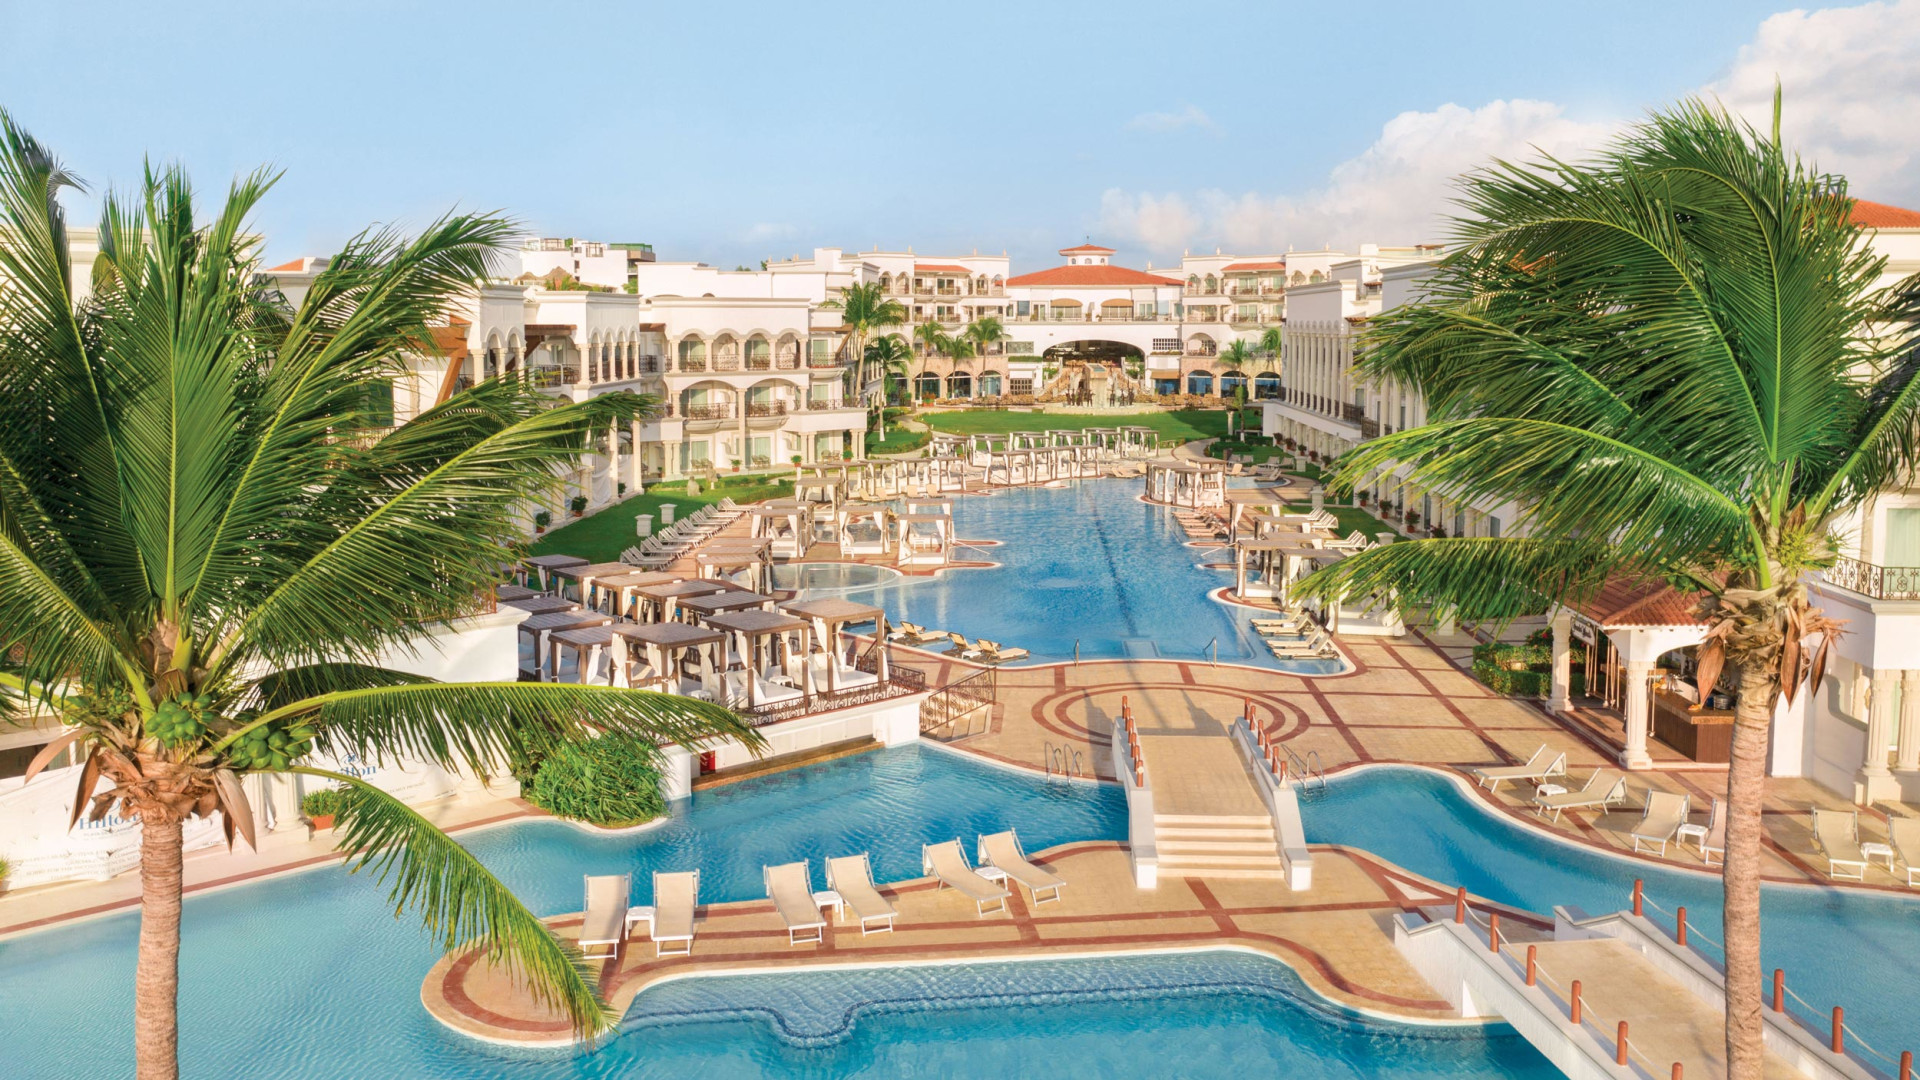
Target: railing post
pixel 1906 1065
pixel 1639 887
pixel 1460 905
pixel 1779 989
pixel 1533 960
pixel 1493 931
pixel 1839 1045
pixel 1620 1045
pixel 1680 926
pixel 1573 1002
pixel 1679 1071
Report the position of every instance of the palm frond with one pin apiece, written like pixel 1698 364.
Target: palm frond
pixel 462 902
pixel 1475 579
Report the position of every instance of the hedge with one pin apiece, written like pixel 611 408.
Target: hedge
pixel 1491 666
pixel 612 781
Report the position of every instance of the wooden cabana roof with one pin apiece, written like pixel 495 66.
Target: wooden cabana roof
pixel 640 577
pixel 729 559
pixel 742 545
pixel 669 635
pixel 541 604
pixel 585 636
pixel 832 610
pixel 756 623
pixel 723 600
pixel 1256 496
pixel 591 570
pixel 564 620
pixel 553 562
pixel 668 590
pixel 509 591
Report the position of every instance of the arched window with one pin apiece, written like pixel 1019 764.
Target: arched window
pixel 1231 381
pixel 693 355
pixel 1299 278
pixel 1213 285
pixel 960 385
pixel 926 386
pixel 989 384
pixel 1266 385
pixel 1200 383
pixel 1316 277
pixel 759 352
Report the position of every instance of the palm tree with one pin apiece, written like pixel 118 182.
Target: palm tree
pixel 985 332
pixel 892 357
pixel 1236 357
pixel 1272 342
pixel 205 555
pixel 959 349
pixel 1674 357
pixel 864 309
pixel 933 339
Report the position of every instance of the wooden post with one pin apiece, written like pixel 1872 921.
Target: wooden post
pixel 1460 905
pixel 1533 961
pixel 1620 1045
pixel 1906 1065
pixel 1639 884
pixel 1573 1000
pixel 1779 989
pixel 1679 1071
pixel 1680 926
pixel 1493 931
pixel 1839 1045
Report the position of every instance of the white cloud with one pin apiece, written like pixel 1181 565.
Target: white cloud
pixel 1852 105
pixel 767 230
pixel 1851 91
pixel 1159 122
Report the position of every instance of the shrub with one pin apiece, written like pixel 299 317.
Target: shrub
pixel 542 519
pixel 1521 670
pixel 578 504
pixel 326 802
pixel 612 781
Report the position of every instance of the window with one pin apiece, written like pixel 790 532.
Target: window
pixel 1403 416
pixel 699 454
pixel 1459 523
pixel 1493 526
pixel 1902 547
pixel 1019 348
pixel 819 350
pixel 1020 386
pixel 1022 308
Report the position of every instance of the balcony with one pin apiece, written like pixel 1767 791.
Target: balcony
pixel 1353 414
pixel 547 376
pixel 726 363
pixel 694 364
pixel 761 409
pixel 819 362
pixel 759 363
pixel 1200 290
pixel 1878 582
pixel 706 417
pixel 823 405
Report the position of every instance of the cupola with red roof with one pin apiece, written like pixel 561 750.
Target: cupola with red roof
pixel 1087 255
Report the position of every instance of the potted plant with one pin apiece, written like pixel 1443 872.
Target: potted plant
pixel 620 489
pixel 578 504
pixel 322 806
pixel 540 522
pixel 1364 498
pixel 1413 518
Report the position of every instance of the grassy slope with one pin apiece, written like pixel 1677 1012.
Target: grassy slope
pixel 601 537
pixel 1184 425
pixel 1351 518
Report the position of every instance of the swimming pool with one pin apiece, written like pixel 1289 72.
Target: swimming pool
pixel 1850 947
pixel 1084 564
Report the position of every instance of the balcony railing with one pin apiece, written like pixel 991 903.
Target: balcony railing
pixel 694 364
pixel 766 408
pixel 1879 582
pixel 823 361
pixel 1352 414
pixel 707 412
pixel 726 363
pixel 822 404
pixel 759 363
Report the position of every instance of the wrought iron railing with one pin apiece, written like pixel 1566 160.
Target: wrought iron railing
pixel 966 700
pixel 1870 579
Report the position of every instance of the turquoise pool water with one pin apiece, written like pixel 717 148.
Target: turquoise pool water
pixel 1844 947
pixel 1086 563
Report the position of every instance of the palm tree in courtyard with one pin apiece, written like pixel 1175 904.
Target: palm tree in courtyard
pixel 1236 357
pixel 1272 341
pixel 959 349
pixel 1674 359
pixel 933 340
pixel 891 358
pixel 864 310
pixel 985 332
pixel 204 555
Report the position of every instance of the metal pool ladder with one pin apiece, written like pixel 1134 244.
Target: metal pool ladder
pixel 1306 769
pixel 1063 763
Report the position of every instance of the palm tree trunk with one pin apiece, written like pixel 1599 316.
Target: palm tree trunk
pixel 156 984
pixel 1746 788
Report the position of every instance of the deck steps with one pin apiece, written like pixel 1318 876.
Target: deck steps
pixel 1217 845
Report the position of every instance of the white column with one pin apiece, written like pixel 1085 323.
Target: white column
pixel 1636 699
pixel 635 460
pixel 1560 689
pixel 1908 754
pixel 1871 783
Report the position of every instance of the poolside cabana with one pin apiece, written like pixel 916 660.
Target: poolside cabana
pixel 1138 442
pixel 614 593
pixel 1186 483
pixel 702 608
pixel 787 523
pixel 1637 642
pixel 588 644
pixel 540 604
pixel 535 569
pixel 766 653
pixel 750 568
pixel 576 582
pixel 1244 501
pixel 537 629
pixel 861 529
pixel 831 490
pixel 655 656
pixel 828 616
pixel 923 539
pixel 1010 467
pixel 1261 566
pixel 657 603
pixel 506 591
pixel 949 473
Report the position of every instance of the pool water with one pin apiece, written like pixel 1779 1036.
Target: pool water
pixel 1085 564
pixel 1847 947
pixel 823 579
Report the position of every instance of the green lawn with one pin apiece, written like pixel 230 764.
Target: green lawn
pixel 601 537
pixel 1184 425
pixel 899 440
pixel 1351 518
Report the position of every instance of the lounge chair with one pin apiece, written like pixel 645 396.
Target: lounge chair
pixel 948 862
pixel 991 652
pixel 1604 788
pixel 790 887
pixel 961 647
pixel 1903 836
pixel 1001 851
pixel 670 919
pixel 1666 812
pixel 1714 840
pixel 851 877
pixel 1542 764
pixel 604 925
pixel 1836 835
pixel 915 634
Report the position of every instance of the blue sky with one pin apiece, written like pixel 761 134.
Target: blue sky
pixel 731 133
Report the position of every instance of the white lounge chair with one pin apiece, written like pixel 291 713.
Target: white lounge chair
pixel 1002 852
pixel 670 919
pixel 948 862
pixel 604 924
pixel 992 652
pixel 1903 836
pixel 1836 835
pixel 790 887
pixel 1542 764
pixel 851 878
pixel 1714 840
pixel 1604 788
pixel 1666 812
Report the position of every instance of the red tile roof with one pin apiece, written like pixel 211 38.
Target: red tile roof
pixel 1084 249
pixel 1622 602
pixel 1873 215
pixel 939 268
pixel 1244 268
pixel 294 267
pixel 1090 276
